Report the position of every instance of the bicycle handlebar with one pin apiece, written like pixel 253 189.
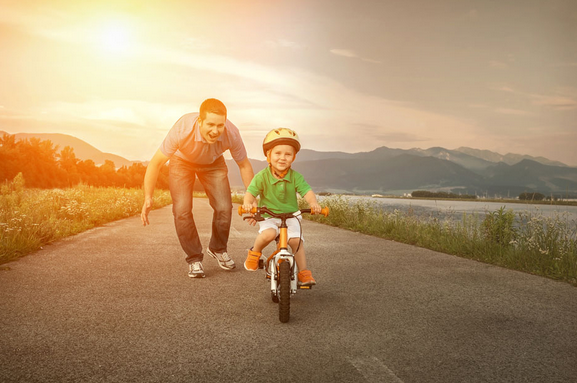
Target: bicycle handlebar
pixel 258 210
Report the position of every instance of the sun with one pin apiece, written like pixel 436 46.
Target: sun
pixel 114 38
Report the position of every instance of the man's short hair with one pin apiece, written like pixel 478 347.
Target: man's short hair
pixel 212 105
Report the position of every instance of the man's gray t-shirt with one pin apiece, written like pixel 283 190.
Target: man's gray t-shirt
pixel 184 141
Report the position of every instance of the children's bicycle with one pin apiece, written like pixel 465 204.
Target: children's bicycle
pixel 280 266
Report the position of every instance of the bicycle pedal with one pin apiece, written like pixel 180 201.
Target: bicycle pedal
pixel 261 263
pixel 305 287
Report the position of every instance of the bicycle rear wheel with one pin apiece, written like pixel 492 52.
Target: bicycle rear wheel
pixel 284 305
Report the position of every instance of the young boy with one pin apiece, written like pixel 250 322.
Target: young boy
pixel 277 186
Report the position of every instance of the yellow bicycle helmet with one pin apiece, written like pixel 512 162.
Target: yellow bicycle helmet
pixel 281 136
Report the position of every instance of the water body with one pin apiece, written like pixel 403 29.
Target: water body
pixel 443 209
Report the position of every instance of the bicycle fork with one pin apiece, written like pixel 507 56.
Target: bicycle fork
pixel 282 254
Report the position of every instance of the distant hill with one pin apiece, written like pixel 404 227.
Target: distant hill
pixel 82 150
pixel 529 175
pixel 396 171
pixel 472 159
pixel 509 158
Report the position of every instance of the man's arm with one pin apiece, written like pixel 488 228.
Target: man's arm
pixel 246 172
pixel 150 178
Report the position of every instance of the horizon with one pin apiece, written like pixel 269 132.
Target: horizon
pixel 347 77
pixel 228 157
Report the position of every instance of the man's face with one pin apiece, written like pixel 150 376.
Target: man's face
pixel 211 127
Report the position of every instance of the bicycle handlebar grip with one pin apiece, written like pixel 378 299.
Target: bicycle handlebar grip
pixel 241 211
pixel 324 211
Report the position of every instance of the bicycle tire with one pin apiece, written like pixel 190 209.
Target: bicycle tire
pixel 274 297
pixel 284 305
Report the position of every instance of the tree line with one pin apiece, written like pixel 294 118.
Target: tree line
pixel 429 194
pixel 43 166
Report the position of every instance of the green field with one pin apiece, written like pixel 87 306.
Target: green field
pixel 31 218
pixel 528 242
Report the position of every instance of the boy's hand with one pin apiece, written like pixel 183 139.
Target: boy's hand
pixel 248 208
pixel 315 208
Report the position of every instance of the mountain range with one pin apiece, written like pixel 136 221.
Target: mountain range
pixel 82 149
pixel 396 171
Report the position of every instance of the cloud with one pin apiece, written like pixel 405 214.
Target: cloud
pixel 343 52
pixel 281 43
pixel 196 43
pixel 351 54
pixel 505 89
pixel 565 64
pixel 556 102
pixel 515 112
pixel 381 135
pixel 498 64
pixel 564 99
pixel 473 14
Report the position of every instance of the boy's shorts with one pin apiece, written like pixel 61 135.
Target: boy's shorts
pixel 294 227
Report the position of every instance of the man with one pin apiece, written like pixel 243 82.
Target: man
pixel 195 147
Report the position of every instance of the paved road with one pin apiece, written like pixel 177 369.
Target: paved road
pixel 115 305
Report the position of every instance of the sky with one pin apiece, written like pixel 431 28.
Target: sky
pixel 346 75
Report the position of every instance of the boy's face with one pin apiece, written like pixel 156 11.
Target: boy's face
pixel 211 127
pixel 281 157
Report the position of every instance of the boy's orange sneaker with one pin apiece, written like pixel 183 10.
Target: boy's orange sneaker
pixel 251 263
pixel 306 278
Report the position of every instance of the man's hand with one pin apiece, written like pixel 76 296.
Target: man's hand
pixel 145 210
pixel 150 177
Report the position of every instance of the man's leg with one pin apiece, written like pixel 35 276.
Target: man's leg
pixel 181 182
pixel 214 178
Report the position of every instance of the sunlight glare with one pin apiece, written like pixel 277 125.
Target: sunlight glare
pixel 115 38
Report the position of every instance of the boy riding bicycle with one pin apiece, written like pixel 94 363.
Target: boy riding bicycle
pixel 277 186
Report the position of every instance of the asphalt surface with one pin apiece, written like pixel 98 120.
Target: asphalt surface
pixel 115 304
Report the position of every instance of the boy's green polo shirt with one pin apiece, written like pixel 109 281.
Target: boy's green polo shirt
pixel 278 195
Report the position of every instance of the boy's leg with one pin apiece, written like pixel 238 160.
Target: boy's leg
pixel 181 183
pixel 262 240
pixel 295 241
pixel 300 254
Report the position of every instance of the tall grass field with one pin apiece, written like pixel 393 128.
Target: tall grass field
pixel 535 244
pixel 31 218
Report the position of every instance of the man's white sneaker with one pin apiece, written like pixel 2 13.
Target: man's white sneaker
pixel 195 270
pixel 223 259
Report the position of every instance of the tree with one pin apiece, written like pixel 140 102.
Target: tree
pixel 531 196
pixel 9 155
pixel 69 163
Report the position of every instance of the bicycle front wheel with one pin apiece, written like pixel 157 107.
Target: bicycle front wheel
pixel 284 306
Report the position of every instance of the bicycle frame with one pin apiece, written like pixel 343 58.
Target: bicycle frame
pixel 283 253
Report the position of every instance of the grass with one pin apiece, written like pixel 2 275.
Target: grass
pixel 32 218
pixel 531 243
